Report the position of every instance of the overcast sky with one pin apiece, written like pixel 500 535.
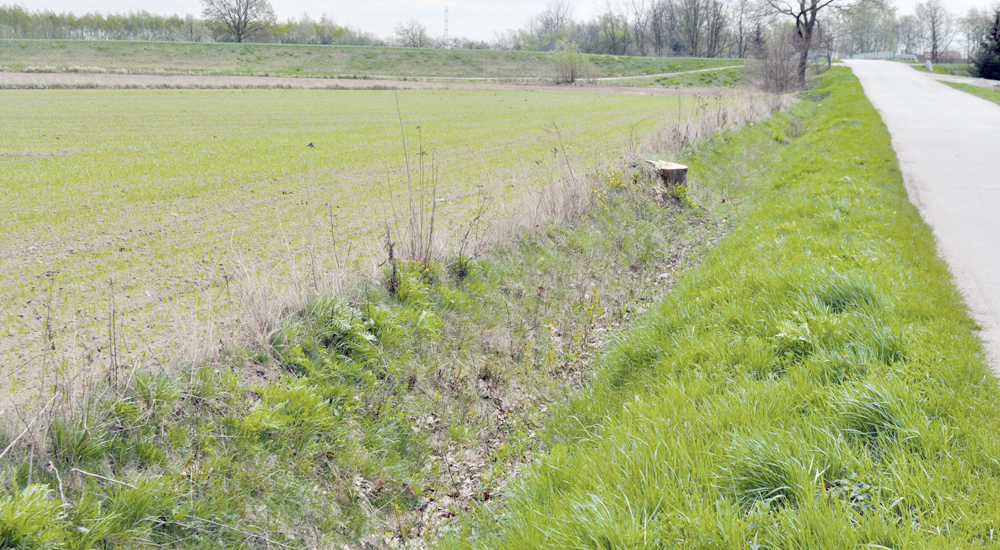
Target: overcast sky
pixel 476 19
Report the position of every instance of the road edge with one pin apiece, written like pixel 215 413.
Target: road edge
pixel 988 330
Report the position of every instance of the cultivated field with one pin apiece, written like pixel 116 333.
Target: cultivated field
pixel 170 212
pixel 176 323
pixel 317 61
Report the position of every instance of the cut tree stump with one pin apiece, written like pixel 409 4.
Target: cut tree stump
pixel 670 172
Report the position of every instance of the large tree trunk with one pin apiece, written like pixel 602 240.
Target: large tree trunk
pixel 805 42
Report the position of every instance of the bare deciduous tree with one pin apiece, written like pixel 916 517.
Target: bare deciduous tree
pixel 826 38
pixel 745 16
pixel 938 24
pixel 868 27
pixel 909 33
pixel 509 40
pixel 412 34
pixel 639 14
pixel 615 29
pixel 691 14
pixel 716 27
pixel 241 19
pixel 663 23
pixel 805 13
pixel 558 14
pixel 975 27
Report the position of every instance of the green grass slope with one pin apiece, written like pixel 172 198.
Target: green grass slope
pixel 723 78
pixel 815 383
pixel 317 61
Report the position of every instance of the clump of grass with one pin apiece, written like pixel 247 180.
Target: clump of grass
pixel 773 470
pixel 873 415
pixel 767 475
pixel 76 441
pixel 157 392
pixel 841 293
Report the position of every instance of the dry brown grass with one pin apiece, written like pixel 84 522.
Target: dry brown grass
pixel 708 118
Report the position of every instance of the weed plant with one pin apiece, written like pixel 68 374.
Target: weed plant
pixel 816 382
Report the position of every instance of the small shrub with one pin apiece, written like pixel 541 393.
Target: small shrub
pixel 571 65
pixel 775 69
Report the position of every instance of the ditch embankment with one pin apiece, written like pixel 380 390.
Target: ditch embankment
pixel 379 415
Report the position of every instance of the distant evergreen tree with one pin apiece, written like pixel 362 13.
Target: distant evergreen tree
pixel 986 61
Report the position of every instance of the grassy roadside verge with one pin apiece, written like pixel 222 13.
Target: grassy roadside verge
pixel 814 383
pixel 953 69
pixel 985 93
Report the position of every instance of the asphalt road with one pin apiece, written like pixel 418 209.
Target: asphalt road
pixel 948 144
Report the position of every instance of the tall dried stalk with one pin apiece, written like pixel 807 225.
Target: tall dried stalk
pixel 421 222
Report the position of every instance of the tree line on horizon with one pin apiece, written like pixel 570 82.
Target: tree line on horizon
pixel 696 28
pixel 738 28
pixel 19 22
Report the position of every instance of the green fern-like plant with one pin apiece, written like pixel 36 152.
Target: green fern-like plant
pixel 29 518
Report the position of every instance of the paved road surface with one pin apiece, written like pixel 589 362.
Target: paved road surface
pixel 948 144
